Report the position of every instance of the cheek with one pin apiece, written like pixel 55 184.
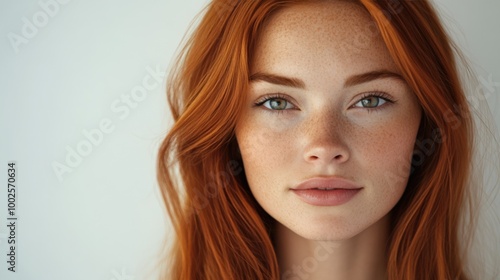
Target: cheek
pixel 390 148
pixel 387 159
pixel 262 150
pixel 270 158
pixel 263 138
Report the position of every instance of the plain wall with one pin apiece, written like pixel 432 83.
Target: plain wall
pixel 76 71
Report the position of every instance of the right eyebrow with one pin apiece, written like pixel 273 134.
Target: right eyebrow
pixel 277 80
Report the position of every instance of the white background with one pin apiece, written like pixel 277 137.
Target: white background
pixel 104 219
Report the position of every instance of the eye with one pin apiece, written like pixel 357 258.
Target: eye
pixel 275 103
pixel 372 100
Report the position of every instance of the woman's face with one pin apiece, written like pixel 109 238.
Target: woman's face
pixel 329 125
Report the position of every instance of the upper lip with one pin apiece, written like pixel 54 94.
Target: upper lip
pixel 326 183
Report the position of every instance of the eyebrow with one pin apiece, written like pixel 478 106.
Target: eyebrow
pixel 298 83
pixel 277 80
pixel 371 76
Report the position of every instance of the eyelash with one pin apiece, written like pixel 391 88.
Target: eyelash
pixel 261 101
pixel 382 95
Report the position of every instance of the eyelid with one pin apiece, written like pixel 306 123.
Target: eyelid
pixel 379 94
pixel 267 97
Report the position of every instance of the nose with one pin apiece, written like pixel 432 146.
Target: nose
pixel 325 141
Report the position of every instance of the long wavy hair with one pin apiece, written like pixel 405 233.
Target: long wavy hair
pixel 220 230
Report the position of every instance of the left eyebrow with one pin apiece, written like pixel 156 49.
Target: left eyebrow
pixel 370 76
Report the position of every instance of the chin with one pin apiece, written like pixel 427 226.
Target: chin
pixel 339 230
pixel 326 231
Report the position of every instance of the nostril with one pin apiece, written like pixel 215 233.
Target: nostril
pixel 326 154
pixel 313 157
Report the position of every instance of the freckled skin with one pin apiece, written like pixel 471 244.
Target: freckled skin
pixel 327 133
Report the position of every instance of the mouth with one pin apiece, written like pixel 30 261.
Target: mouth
pixel 332 191
pixel 327 183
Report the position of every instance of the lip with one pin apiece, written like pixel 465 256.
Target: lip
pixel 321 191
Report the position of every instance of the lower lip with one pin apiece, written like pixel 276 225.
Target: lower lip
pixel 326 197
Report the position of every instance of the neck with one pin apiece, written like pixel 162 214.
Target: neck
pixel 362 257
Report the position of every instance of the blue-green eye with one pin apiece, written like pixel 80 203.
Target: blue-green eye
pixel 275 103
pixel 372 101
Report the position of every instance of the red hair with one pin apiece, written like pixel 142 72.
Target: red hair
pixel 220 230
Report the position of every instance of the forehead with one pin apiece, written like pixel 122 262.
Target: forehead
pixel 326 34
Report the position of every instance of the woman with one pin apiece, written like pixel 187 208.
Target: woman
pixel 318 140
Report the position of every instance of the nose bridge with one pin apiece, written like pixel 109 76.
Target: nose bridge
pixel 325 136
pixel 325 126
